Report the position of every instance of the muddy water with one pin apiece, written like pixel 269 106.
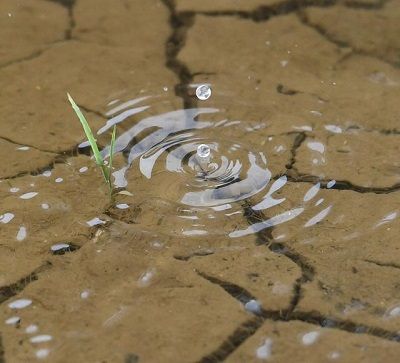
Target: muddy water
pixel 280 246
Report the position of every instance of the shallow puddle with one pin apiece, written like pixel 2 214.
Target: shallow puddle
pixel 256 180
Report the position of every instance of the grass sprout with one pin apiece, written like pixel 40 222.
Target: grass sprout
pixel 105 169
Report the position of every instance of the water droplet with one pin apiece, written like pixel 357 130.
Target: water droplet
pixel 59 180
pixel 23 148
pixel 45 206
pixel 47 173
pixel 203 92
pixel 83 169
pixel 203 151
pixel 14 190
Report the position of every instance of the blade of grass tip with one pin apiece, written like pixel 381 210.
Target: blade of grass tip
pixel 88 132
pixel 112 147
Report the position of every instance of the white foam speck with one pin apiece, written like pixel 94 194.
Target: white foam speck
pixel 45 206
pixel 14 190
pixel 29 195
pixel 41 338
pixel 30 329
pixel 42 353
pixel 23 148
pixel 264 351
pixel 47 173
pixel 122 206
pixel 20 304
pixel 6 217
pixel 333 355
pixel 83 169
pixel 13 320
pixel 394 312
pixel 95 221
pixel 85 294
pixel 59 180
pixel 310 338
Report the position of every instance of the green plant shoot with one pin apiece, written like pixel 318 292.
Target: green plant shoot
pixel 105 169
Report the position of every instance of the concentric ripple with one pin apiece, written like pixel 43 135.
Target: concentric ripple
pixel 171 187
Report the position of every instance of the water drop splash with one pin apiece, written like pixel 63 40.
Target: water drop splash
pixel 203 92
pixel 195 172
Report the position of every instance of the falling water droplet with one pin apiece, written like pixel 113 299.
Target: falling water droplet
pixel 203 92
pixel 203 151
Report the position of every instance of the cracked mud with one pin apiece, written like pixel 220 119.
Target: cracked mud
pixel 315 86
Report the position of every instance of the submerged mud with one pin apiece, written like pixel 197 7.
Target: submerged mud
pixel 304 269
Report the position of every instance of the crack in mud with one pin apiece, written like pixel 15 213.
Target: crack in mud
pixel 180 24
pixel 8 291
pixel 237 292
pixel 249 328
pixel 69 5
pixel 201 253
pixel 383 264
pixel 230 344
pixel 302 16
pixel 2 352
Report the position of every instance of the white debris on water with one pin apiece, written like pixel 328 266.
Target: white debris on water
pixel 31 329
pixel 21 235
pixel 310 338
pixel 41 338
pixel 95 221
pixel 42 353
pixel 20 304
pixel 264 351
pixel 29 195
pixel 6 217
pixel 13 320
pixel 253 306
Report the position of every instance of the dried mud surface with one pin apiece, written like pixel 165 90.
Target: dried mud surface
pixel 323 78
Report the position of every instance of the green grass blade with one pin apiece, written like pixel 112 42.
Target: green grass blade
pixel 89 135
pixel 112 147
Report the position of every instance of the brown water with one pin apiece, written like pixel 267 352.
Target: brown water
pixel 283 247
